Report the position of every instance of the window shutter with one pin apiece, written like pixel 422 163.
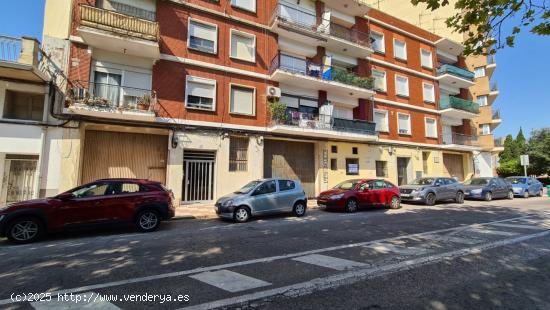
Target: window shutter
pixel 202 31
pixel 243 47
pixel 403 122
pixel 200 89
pixel 242 100
pixel 428 92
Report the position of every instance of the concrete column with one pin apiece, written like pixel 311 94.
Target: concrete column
pixel 319 9
pixel 29 51
pixel 322 98
pixel 174 169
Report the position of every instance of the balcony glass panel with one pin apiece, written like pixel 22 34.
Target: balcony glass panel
pixel 456 71
pixel 327 122
pixel 450 102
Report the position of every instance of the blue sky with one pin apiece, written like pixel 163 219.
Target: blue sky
pixel 522 71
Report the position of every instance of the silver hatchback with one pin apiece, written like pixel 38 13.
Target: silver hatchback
pixel 261 197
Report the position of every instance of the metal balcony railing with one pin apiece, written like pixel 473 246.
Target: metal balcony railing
pixel 119 23
pixel 450 102
pixel 295 16
pixel 494 86
pixel 496 115
pixel 460 139
pixel 499 142
pixel 10 49
pixel 456 71
pixel 307 68
pixel 133 11
pixel 327 122
pixel 491 60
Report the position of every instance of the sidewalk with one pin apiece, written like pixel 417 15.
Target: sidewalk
pixel 206 211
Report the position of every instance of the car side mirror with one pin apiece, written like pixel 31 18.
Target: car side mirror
pixel 366 189
pixel 65 196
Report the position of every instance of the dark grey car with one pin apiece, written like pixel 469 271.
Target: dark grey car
pixel 261 197
pixel 431 190
pixel 488 189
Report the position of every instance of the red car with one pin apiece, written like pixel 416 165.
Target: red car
pixel 140 202
pixel 354 194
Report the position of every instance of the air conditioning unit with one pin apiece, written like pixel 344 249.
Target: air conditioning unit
pixel 273 92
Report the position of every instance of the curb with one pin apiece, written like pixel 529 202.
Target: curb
pixel 214 216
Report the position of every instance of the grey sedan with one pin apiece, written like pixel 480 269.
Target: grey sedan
pixel 431 190
pixel 261 197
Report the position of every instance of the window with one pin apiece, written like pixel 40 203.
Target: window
pixel 482 100
pixel 399 49
pixel 128 188
pixel 426 59
pixel 201 93
pixel 333 164
pixel 243 46
pixel 267 187
pixel 243 100
pixel 238 154
pixel 202 36
pixel 352 166
pixel 485 129
pixel 402 86
pixel 381 169
pixel 379 80
pixel 479 72
pixel 249 5
pixel 354 151
pixel 404 123
pixel 23 106
pixel 378 44
pixel 431 127
pixel 334 149
pixel 389 185
pixel 286 185
pixel 92 190
pixel 381 120
pixel 377 184
pixel 428 92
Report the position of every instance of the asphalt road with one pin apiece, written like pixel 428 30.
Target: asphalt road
pixel 480 255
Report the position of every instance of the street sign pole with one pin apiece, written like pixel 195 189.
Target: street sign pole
pixel 524 159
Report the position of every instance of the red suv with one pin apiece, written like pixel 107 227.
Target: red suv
pixel 140 202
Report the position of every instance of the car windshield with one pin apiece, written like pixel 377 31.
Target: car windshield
pixel 248 187
pixel 517 180
pixel 477 182
pixel 347 185
pixel 423 181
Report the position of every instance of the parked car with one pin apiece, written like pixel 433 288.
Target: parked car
pixel 431 190
pixel 262 197
pixel 526 186
pixel 354 194
pixel 140 202
pixel 487 189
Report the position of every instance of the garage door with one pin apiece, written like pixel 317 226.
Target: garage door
pixel 124 155
pixel 292 160
pixel 453 166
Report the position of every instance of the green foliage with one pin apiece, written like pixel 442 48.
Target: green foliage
pixel 350 78
pixel 538 149
pixel 484 22
pixel 277 110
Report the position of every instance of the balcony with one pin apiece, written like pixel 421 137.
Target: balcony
pixel 300 25
pixel 111 101
pixel 339 82
pixel 349 7
pixel 455 77
pixel 498 145
pixel 119 32
pixel 324 126
pixel 491 65
pixel 22 59
pixel 458 109
pixel 458 141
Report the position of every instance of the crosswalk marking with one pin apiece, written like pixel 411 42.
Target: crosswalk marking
pixel 492 232
pixel 329 262
pixel 387 248
pixel 520 226
pixel 229 281
pixel 453 239
pixel 88 300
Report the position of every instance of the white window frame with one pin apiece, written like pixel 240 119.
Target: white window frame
pixel 486 100
pixel 385 89
pixel 407 88
pixel 428 134
pixel 198 21
pixel 253 10
pixel 244 34
pixel 199 80
pixel 383 50
pixel 431 64
pixel 480 76
pixel 404 49
pixel 409 130
pixel 483 126
pixel 253 99
pixel 387 129
pixel 432 100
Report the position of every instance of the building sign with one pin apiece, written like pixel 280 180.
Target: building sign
pixel 325 166
pixel 352 166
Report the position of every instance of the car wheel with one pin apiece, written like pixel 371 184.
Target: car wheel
pixel 430 199
pixel 299 209
pixel 511 195
pixel 488 196
pixel 148 221
pixel 459 198
pixel 351 206
pixel 241 215
pixel 25 230
pixel 526 194
pixel 395 203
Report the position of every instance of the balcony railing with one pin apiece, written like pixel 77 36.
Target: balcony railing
pixel 119 23
pixel 496 115
pixel 456 71
pixel 307 68
pixel 10 49
pixel 491 60
pixel 307 20
pixel 494 86
pixel 133 11
pixel 327 122
pixel 450 102
pixel 499 142
pixel 460 139
pixel 111 98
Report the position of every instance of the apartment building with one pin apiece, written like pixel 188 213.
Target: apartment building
pixel 182 92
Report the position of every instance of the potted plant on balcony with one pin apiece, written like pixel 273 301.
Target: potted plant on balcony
pixel 277 110
pixel 144 102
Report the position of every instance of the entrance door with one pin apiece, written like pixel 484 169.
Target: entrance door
pixel 198 180
pixel 19 179
pixel 402 170
pixel 453 166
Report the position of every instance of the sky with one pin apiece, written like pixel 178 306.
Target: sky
pixel 521 73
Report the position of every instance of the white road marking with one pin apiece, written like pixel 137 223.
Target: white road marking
pixel 492 232
pixel 460 240
pixel 401 250
pixel 520 226
pixel 329 262
pixel 355 276
pixel 88 300
pixel 229 281
pixel 258 260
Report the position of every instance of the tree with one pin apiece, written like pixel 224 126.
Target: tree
pixel 521 143
pixel 483 21
pixel 509 149
pixel 539 151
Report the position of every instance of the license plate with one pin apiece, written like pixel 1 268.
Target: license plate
pixel 405 195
